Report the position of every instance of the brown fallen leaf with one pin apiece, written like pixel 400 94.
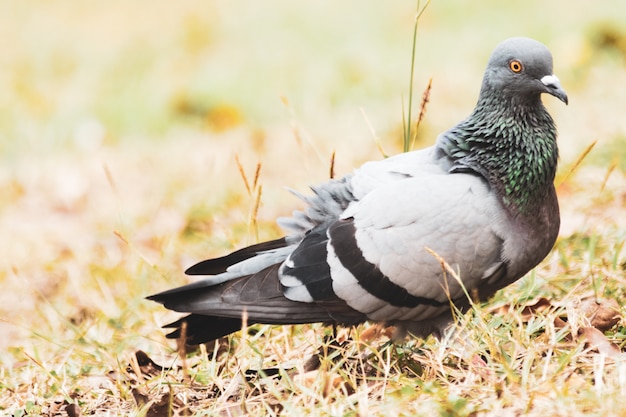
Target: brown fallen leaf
pixel 602 313
pixel 338 383
pixel 140 397
pixel 163 407
pixel 328 380
pixel 537 306
pixel 72 410
pixel 142 364
pixel 595 339
pixel 375 331
pixel 55 407
pixel 530 309
pixel 478 365
pixel 312 363
pixel 559 323
pixel 144 360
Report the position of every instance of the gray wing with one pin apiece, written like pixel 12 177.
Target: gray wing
pixel 377 252
pixel 358 252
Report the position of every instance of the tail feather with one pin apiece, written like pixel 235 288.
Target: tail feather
pixel 219 265
pixel 218 310
pixel 203 329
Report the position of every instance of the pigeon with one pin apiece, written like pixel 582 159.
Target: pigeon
pixel 370 246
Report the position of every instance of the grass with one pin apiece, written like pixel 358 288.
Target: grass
pixel 119 153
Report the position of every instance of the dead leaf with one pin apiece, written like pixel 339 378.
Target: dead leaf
pixel 55 407
pixel 140 397
pixel 559 323
pixel 144 360
pixel 162 407
pixel 595 339
pixel 72 410
pixel 530 309
pixel 144 365
pixel 480 367
pixel 375 331
pixel 338 383
pixel 602 313
pixel 313 363
pixel 537 306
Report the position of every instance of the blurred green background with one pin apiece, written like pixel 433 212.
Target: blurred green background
pixel 82 74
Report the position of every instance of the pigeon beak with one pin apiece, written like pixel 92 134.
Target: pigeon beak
pixel 553 87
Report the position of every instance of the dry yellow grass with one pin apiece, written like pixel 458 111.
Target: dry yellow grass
pixel 119 129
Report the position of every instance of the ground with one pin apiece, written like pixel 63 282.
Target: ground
pixel 124 132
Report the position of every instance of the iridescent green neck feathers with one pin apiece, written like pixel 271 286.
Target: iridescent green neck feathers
pixel 512 144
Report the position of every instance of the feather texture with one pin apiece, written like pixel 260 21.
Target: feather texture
pixel 482 198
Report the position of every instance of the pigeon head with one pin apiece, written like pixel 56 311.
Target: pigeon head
pixel 510 139
pixel 520 69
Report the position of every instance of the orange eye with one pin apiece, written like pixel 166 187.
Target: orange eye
pixel 515 66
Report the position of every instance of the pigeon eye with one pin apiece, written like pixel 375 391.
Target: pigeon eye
pixel 516 66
